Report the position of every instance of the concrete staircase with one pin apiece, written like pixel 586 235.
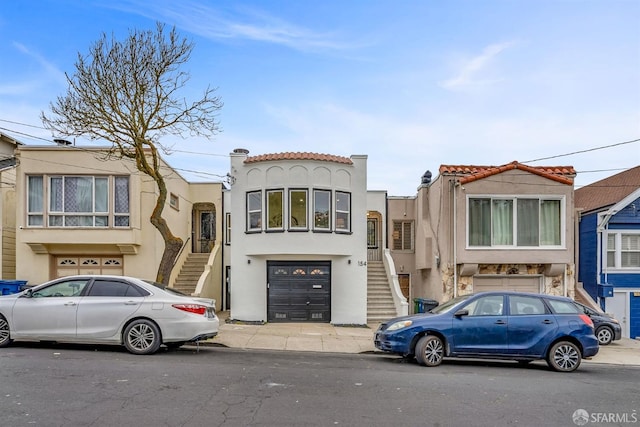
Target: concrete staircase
pixel 191 271
pixel 380 306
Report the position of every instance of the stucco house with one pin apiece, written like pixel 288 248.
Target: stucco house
pixel 297 237
pixel 477 228
pixel 8 162
pixel 78 213
pixel 609 246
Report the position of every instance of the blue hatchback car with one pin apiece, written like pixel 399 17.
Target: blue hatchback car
pixel 495 325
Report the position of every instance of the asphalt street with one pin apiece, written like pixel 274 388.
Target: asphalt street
pixel 58 385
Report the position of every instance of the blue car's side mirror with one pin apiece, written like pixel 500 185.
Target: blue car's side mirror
pixel 460 313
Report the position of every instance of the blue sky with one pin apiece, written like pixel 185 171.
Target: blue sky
pixel 413 84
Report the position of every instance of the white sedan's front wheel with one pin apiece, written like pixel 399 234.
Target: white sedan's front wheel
pixel 142 337
pixel 5 335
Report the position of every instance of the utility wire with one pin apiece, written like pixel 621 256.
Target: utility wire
pixel 582 151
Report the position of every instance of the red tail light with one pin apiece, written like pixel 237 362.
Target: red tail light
pixel 191 308
pixel 586 319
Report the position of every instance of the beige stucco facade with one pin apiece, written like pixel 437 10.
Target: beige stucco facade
pixel 443 264
pixel 45 251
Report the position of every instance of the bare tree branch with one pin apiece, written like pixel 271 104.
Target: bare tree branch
pixel 128 93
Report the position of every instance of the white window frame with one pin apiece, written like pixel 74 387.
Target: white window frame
pixel 617 234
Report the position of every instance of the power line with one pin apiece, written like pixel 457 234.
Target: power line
pixel 582 151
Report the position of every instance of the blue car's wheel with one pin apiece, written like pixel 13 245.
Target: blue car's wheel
pixel 564 356
pixel 429 351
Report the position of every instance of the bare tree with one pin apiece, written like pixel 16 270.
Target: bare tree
pixel 128 93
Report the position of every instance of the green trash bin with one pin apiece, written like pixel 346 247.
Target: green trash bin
pixel 418 307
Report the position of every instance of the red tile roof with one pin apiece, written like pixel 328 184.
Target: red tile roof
pixel 470 173
pixel 608 191
pixel 299 156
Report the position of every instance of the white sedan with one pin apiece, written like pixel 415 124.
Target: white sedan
pixel 138 314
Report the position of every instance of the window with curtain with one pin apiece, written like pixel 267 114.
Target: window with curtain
pixel 78 201
pixel 514 222
pixel 35 197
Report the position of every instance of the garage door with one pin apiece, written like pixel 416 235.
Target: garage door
pixel 72 265
pixel 299 291
pixel 518 284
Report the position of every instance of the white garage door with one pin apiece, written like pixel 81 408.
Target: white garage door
pixel 72 265
pixel 510 283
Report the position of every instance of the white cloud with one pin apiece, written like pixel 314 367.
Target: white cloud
pixel 470 70
pixel 242 23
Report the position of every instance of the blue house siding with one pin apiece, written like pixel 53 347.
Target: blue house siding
pixel 587 265
pixel 634 315
pixel 628 217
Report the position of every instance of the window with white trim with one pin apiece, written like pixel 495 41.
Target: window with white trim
pixel 77 201
pixel 515 222
pixel 623 250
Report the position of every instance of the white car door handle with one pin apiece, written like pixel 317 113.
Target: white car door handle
pixel 70 303
pixel 131 303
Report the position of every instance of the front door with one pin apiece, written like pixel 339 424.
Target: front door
pixel 618 306
pixel 206 231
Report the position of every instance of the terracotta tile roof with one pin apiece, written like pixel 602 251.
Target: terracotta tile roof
pixel 561 174
pixel 299 156
pixel 608 191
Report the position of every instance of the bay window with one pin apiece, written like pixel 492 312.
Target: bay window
pixel 78 201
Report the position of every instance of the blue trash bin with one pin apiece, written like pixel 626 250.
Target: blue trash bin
pixel 9 287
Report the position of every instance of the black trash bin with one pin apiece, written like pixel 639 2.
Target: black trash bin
pixel 428 304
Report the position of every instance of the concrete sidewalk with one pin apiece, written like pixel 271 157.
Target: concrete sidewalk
pixel 324 337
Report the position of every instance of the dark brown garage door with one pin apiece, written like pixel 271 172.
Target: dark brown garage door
pixel 299 291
